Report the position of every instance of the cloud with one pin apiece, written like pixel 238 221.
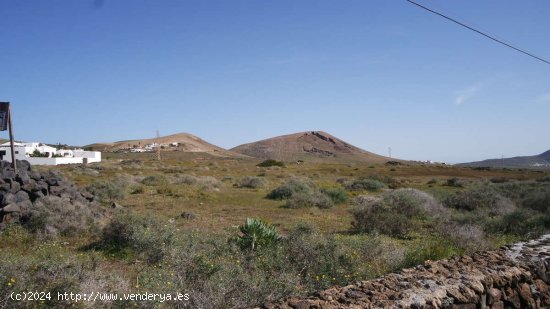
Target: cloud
pixel 466 94
pixel 545 98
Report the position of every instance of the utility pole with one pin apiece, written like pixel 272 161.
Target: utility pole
pixel 389 152
pixel 158 146
pixel 5 124
pixel 10 123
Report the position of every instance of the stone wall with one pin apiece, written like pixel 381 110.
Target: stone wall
pixel 516 276
pixel 20 192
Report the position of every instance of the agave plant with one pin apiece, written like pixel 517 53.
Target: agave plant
pixel 256 234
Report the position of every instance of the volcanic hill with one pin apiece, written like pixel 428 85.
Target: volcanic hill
pixel 311 145
pixel 185 142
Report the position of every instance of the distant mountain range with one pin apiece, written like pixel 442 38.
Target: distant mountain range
pixel 311 145
pixel 541 161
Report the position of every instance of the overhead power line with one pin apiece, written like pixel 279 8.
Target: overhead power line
pixel 479 32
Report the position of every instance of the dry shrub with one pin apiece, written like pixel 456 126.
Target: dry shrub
pixel 253 182
pixel 52 216
pixel 127 180
pixel 308 200
pixel 456 182
pixel 426 201
pixel 469 237
pixel 337 195
pixel 365 184
pixel 208 183
pixel 482 199
pixel 145 237
pixel 382 255
pixel 103 280
pixel 186 179
pixel 395 213
pixel 538 199
pixel 107 191
pixel 155 180
pixel 290 187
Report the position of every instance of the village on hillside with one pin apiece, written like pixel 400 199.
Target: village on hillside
pixel 41 154
pixel 148 147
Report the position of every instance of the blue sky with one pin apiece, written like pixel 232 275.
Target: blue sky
pixel 377 74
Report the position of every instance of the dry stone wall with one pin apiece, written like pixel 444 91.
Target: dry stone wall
pixel 22 191
pixel 516 276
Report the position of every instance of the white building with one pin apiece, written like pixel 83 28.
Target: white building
pixel 41 154
pixel 137 150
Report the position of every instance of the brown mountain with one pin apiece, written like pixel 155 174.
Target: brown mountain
pixel 185 142
pixel 311 145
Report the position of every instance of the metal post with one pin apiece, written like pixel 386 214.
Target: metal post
pixel 10 124
pixel 158 146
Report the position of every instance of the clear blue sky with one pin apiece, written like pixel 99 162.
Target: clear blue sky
pixel 374 73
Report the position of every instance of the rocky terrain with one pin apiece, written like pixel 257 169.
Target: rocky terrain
pixel 28 195
pixel 311 145
pixel 541 161
pixel 516 276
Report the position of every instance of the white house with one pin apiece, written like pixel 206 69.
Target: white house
pixel 41 154
pixel 137 150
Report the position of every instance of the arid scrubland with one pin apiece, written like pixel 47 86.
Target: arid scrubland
pixel 233 234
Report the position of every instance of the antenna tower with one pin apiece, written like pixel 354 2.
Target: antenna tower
pixel 158 146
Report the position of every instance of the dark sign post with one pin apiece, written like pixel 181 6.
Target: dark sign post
pixel 5 123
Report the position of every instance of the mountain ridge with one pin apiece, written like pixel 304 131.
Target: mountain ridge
pixel 540 161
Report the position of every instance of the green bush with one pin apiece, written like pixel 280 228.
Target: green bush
pixel 187 179
pixel 205 183
pixel 143 237
pixel 166 190
pixel 390 181
pixel 252 182
pixel 137 190
pixel 499 179
pixel 47 271
pixel 337 195
pixel 323 261
pixel 308 200
pixel 319 260
pixel 475 198
pixel 155 180
pixel 426 202
pixel 271 162
pixel 208 183
pixel 466 237
pixel 395 213
pixel 432 181
pixel 292 186
pixel 429 249
pixel 363 184
pixel 538 200
pixel 52 216
pixel 125 180
pixel 36 153
pixel 522 222
pixel 107 191
pixel 455 182
pixel 256 234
